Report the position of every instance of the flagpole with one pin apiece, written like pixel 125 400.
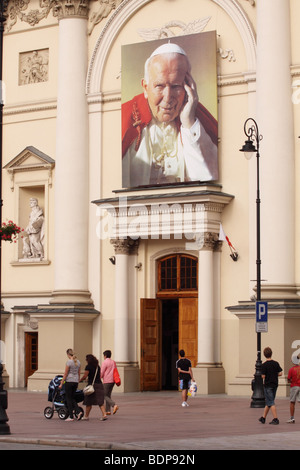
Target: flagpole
pixel 249 148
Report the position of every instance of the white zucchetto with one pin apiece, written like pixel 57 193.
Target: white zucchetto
pixel 168 48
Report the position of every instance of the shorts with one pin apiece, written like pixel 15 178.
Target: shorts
pixel 184 384
pixel 270 394
pixel 294 394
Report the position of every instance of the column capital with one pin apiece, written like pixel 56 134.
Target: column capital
pixel 71 8
pixel 125 246
pixel 209 241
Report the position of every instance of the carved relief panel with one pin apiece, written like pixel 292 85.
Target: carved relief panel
pixel 33 66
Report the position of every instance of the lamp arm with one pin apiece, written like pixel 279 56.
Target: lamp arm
pixel 251 131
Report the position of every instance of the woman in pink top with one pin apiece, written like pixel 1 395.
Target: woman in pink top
pixel 107 376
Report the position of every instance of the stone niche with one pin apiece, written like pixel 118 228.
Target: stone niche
pixel 31 178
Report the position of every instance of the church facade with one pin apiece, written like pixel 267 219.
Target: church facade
pixel 148 269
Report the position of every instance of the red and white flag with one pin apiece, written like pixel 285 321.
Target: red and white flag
pixel 223 237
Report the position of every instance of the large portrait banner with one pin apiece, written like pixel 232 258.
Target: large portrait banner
pixel 169 111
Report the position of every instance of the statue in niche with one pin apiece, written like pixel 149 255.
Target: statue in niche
pixel 33 245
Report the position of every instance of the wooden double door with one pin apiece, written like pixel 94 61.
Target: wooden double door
pixel 167 325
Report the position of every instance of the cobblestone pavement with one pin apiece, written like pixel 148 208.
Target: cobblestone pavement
pixel 152 421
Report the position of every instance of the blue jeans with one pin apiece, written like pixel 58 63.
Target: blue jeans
pixel 270 394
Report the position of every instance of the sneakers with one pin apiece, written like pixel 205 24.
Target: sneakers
pixel 274 421
pixel 184 403
pixel 291 420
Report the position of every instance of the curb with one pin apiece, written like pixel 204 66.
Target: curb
pixel 67 443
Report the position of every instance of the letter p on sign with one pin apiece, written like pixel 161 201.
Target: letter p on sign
pixel 261 317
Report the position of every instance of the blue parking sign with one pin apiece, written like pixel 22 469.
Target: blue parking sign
pixel 261 317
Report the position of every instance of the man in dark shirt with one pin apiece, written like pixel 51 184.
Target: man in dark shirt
pixel 270 372
pixel 185 373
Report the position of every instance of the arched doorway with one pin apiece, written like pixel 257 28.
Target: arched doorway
pixel 169 322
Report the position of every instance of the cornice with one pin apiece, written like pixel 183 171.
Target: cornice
pixel 48 105
pixel 188 215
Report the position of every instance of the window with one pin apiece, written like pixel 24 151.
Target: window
pixel 188 273
pixel 177 273
pixel 169 274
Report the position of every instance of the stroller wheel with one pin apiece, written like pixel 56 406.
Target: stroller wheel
pixel 48 412
pixel 63 413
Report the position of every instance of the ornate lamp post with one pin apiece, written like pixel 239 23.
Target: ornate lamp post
pixel 4 427
pixel 249 148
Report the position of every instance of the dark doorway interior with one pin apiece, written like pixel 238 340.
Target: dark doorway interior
pixel 31 354
pixel 169 344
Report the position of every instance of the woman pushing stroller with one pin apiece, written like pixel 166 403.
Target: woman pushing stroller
pixel 71 378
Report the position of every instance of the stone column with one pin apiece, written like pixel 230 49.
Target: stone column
pixel 206 305
pixel 121 354
pixel 275 122
pixel 71 172
pixel 124 335
pixel 209 374
pixel 68 321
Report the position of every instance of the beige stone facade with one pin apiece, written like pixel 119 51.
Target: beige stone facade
pixel 62 75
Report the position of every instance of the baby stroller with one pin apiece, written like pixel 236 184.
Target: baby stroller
pixel 57 397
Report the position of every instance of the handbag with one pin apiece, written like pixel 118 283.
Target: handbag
pixel 117 378
pixel 89 389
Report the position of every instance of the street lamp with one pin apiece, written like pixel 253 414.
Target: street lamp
pixel 251 147
pixel 4 427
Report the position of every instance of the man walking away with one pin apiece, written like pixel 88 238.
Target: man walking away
pixel 185 373
pixel 270 372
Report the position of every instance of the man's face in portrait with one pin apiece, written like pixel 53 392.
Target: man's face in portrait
pixel 165 88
